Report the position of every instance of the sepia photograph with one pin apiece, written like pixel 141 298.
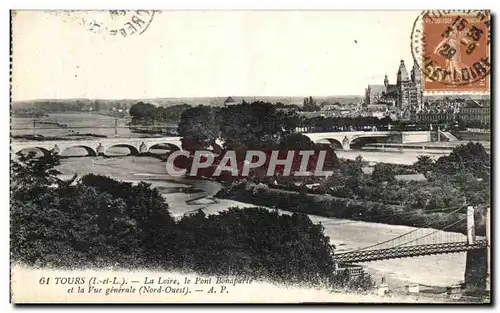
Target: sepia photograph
pixel 250 156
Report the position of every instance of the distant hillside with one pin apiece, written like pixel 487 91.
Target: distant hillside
pixel 106 104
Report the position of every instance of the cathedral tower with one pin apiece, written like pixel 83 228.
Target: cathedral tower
pixel 402 73
pixel 403 86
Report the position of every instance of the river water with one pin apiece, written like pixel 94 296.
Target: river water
pixel 53 125
pixel 396 157
pixel 437 270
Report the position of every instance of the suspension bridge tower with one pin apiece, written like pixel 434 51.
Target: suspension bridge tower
pixel 478 263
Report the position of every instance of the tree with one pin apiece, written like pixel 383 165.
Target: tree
pixel 335 184
pixel 355 176
pixel 259 243
pixel 424 164
pixel 471 158
pixel 90 228
pixel 174 113
pixel 198 128
pixel 383 173
pixel 146 207
pixel 28 171
pixel 142 110
pixel 386 120
pixel 476 191
pixel 258 125
pixel 296 141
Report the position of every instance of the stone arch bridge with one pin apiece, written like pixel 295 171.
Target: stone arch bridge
pixel 99 146
pixel 346 139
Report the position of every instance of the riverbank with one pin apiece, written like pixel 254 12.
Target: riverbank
pixel 430 148
pixel 435 270
pixel 330 206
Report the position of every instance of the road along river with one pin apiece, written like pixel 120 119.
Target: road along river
pixel 437 270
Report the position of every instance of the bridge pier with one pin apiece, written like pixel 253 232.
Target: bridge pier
pixel 477 266
pixel 476 270
pixel 346 143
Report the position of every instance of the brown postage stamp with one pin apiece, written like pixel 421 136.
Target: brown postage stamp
pixel 452 48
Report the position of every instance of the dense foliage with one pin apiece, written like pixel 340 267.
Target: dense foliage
pixel 256 125
pixel 340 207
pixel 454 181
pixel 96 221
pixel 470 158
pixel 198 128
pixel 147 113
pixel 243 127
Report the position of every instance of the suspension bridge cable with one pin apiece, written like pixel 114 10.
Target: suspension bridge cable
pixel 452 224
pixel 412 231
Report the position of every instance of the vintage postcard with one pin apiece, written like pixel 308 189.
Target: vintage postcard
pixel 223 156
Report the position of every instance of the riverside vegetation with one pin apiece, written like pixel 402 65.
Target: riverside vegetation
pixel 96 221
pixel 452 182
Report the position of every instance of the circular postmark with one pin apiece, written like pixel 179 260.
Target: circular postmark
pixel 452 49
pixel 121 23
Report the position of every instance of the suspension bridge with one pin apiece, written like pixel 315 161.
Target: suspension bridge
pixel 425 241
pixel 419 242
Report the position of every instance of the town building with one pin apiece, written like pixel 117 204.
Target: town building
pixel 436 116
pixel 475 111
pixel 229 101
pixel 454 111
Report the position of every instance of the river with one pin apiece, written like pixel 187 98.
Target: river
pixel 396 157
pixel 437 270
pixel 86 122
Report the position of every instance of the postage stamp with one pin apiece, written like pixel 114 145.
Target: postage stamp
pixel 452 49
pixel 212 157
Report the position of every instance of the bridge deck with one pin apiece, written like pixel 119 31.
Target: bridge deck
pixel 408 251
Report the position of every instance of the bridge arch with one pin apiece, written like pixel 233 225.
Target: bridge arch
pixel 39 151
pixel 90 151
pixel 336 144
pixel 132 149
pixel 360 141
pixel 164 146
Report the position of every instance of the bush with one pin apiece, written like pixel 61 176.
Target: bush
pixel 383 173
pixel 257 242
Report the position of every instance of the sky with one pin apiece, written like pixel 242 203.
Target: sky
pixel 208 53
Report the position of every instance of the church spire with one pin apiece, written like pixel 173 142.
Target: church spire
pixel 402 72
